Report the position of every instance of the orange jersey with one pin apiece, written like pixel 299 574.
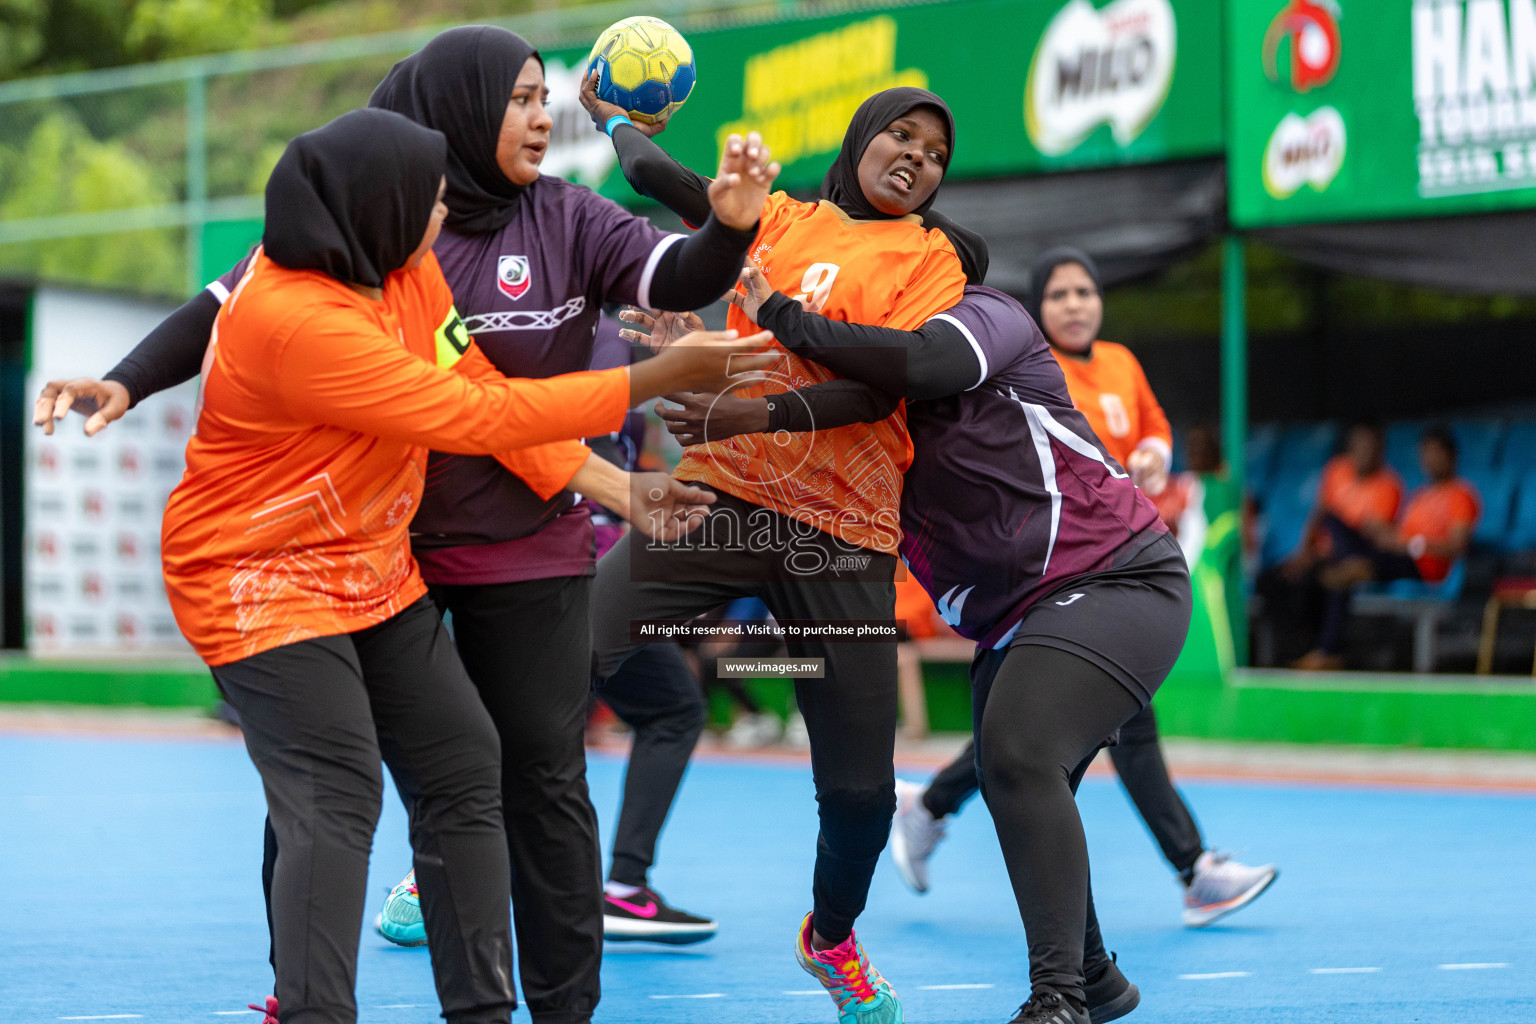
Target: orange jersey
pixel 1432 513
pixel 318 407
pixel 1356 500
pixel 891 273
pixel 1112 393
pixel 915 608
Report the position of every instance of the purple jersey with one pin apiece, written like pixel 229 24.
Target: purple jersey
pixel 1009 493
pixel 610 349
pixel 530 295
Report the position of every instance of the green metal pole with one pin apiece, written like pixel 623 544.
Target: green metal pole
pixel 197 178
pixel 1234 356
pixel 1234 393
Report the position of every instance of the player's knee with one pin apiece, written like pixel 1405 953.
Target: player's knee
pixel 855 818
pixel 1009 766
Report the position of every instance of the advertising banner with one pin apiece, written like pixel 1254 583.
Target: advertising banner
pixel 91 571
pixel 1365 109
pixel 1034 87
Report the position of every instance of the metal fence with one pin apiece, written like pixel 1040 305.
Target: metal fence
pixel 109 178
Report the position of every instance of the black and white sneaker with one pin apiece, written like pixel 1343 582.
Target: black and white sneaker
pixel 1049 1008
pixel 643 916
pixel 1110 996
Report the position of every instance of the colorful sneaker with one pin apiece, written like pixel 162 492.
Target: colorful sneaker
pixel 644 916
pixel 400 921
pixel 914 834
pixel 861 994
pixel 1221 885
pixel 270 1010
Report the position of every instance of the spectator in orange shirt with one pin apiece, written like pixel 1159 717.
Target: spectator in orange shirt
pixel 1106 382
pixel 1433 533
pixel 1359 493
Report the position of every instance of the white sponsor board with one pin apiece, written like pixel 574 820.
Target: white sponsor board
pixel 576 148
pixel 1112 66
pixel 91 571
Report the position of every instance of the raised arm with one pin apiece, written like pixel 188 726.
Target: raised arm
pixel 648 168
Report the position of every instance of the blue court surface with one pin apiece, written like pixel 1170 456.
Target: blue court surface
pixel 132 892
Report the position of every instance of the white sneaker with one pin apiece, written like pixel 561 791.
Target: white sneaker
pixel 1221 885
pixel 795 733
pixel 914 834
pixel 759 730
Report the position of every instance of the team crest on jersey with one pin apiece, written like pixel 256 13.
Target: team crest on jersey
pixel 513 276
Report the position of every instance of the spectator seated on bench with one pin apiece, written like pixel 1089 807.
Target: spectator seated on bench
pixel 1416 561
pixel 1358 493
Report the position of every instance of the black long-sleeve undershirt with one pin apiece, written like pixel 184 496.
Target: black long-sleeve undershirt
pixel 172 353
pixel 939 361
pixel 652 172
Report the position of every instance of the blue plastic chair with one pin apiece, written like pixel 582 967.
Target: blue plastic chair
pixel 1496 492
pixel 1478 443
pixel 1402 451
pixel 1522 525
pixel 1259 455
pixel 1519 452
pixel 1290 500
pixel 1304 447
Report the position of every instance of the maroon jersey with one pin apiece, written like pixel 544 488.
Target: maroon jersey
pixel 530 295
pixel 1010 494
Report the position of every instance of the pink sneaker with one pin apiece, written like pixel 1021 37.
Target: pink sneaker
pixel 270 1010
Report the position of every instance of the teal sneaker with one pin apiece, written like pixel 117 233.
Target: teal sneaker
pixel 400 921
pixel 861 994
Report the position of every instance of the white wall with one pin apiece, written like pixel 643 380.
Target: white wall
pixel 93 505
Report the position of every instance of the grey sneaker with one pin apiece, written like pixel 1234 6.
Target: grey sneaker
pixel 1221 885
pixel 914 834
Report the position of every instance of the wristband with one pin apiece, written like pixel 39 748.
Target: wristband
pixel 614 121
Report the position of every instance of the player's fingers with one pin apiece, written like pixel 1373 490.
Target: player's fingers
pixel 63 403
pixel 750 364
pixel 95 424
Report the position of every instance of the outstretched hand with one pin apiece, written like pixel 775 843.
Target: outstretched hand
pixel 661 328
pixel 757 292
pixel 100 401
pixel 666 509
pixel 745 179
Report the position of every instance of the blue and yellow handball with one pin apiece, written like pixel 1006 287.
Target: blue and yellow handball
pixel 645 66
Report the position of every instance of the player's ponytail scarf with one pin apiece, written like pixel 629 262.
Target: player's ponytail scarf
pixel 1040 276
pixel 841 185
pixel 353 198
pixel 460 84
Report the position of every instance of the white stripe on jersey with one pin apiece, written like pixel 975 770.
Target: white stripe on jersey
pixel 1042 427
pixel 980 355
pixel 1038 431
pixel 643 293
pixel 219 291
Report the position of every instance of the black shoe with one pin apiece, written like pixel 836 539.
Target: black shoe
pixel 644 917
pixel 1110 996
pixel 1049 1008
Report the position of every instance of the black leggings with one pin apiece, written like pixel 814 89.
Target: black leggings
pixel 1042 715
pixel 1138 760
pixel 317 716
pixel 657 695
pixel 850 715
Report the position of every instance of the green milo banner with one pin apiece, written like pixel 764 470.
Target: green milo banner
pixel 1036 86
pixel 1370 109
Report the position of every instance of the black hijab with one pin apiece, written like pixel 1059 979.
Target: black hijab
pixel 353 198
pixel 459 84
pixel 1045 266
pixel 841 185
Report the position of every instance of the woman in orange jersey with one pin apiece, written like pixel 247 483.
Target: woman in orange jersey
pixel 288 565
pixel 810 523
